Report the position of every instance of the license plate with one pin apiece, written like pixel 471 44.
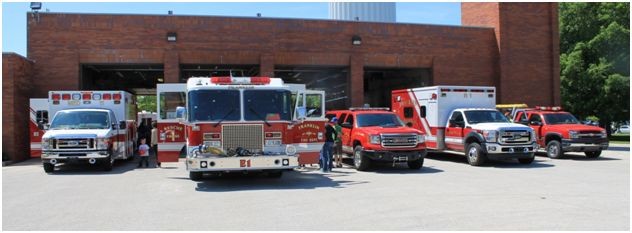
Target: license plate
pixel 401 158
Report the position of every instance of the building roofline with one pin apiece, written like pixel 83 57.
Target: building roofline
pixel 267 18
pixel 16 54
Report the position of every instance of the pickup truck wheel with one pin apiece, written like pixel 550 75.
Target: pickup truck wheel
pixel 526 160
pixel 195 176
pixel 554 149
pixel 107 164
pixel 416 164
pixel 593 154
pixel 49 167
pixel 361 162
pixel 474 154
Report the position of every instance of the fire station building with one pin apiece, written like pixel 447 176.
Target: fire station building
pixel 512 46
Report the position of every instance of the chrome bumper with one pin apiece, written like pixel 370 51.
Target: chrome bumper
pixel 496 148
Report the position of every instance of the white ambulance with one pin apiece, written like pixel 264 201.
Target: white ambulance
pixel 464 120
pixel 95 127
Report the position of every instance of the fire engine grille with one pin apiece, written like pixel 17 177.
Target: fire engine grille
pixel 249 137
pixel 515 136
pixel 75 143
pixel 589 134
pixel 399 140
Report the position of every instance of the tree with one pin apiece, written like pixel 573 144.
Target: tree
pixel 146 102
pixel 595 60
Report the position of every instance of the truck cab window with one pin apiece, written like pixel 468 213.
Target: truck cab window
pixel 422 111
pixel 349 119
pixel 169 101
pixel 314 105
pixel 536 118
pixel 457 119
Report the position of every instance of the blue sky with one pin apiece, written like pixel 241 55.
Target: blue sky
pixel 14 17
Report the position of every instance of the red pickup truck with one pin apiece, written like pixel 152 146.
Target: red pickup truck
pixel 378 135
pixel 560 132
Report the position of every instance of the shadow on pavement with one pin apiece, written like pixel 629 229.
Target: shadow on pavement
pixel 289 180
pixel 578 157
pixel 618 148
pixel 511 163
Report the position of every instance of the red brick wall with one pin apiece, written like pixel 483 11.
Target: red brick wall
pixel 528 40
pixel 16 80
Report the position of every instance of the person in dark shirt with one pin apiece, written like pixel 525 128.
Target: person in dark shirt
pixel 327 151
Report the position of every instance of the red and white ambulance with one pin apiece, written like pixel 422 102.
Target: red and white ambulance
pixel 96 127
pixel 38 108
pixel 240 124
pixel 463 120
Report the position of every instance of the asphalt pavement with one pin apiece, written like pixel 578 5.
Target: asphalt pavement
pixel 574 193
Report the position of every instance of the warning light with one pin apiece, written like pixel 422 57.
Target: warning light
pixel 117 97
pixel 107 96
pixel 65 96
pixel 86 96
pixel 55 97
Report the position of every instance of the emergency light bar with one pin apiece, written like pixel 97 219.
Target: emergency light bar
pixel 368 108
pixel 556 108
pixel 240 80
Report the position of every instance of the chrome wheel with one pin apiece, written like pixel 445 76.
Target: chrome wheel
pixel 472 153
pixel 552 151
pixel 357 158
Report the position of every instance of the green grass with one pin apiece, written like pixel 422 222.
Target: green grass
pixel 619 139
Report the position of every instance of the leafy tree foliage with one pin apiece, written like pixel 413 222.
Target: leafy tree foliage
pixel 595 60
pixel 147 103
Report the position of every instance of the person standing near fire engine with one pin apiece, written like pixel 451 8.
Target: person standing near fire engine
pixel 327 151
pixel 338 142
pixel 154 142
pixel 143 151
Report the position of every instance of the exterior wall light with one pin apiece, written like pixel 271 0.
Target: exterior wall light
pixel 172 36
pixel 356 40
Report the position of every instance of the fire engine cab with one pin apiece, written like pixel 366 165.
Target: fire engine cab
pixel 242 124
pixel 463 120
pixel 560 132
pixel 95 127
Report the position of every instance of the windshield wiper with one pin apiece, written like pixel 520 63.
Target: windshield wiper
pixel 224 117
pixel 262 118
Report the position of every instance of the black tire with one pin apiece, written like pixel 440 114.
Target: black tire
pixel 107 164
pixel 49 167
pixel 593 154
pixel 360 161
pixel 195 176
pixel 554 149
pixel 274 174
pixel 527 160
pixel 416 164
pixel 474 154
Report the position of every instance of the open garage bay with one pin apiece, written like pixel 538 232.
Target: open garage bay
pixel 447 194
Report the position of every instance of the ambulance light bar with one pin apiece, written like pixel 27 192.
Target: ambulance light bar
pixel 556 108
pixel 240 80
pixel 467 90
pixel 56 97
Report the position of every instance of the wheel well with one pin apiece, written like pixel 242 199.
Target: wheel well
pixel 551 137
pixel 471 139
pixel 356 143
pixel 183 152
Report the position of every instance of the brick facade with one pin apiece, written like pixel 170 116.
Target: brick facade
pixel 512 46
pixel 16 80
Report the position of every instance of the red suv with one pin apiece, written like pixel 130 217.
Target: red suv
pixel 560 132
pixel 378 135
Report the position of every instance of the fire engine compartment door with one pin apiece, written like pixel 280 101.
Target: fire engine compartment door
pixel 310 132
pixel 171 134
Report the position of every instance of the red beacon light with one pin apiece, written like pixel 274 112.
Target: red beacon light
pixel 545 108
pixel 65 96
pixel 107 96
pixel 241 80
pixel 86 96
pixel 221 80
pixel 56 97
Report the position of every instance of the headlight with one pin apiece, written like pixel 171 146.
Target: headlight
pixel 604 134
pixel 374 139
pixel 490 135
pixel 533 135
pixel 573 134
pixel 421 138
pixel 103 143
pixel 46 143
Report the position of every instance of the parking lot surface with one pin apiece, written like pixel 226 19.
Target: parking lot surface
pixel 574 193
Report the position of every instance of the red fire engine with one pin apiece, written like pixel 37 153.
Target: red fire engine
pixel 239 124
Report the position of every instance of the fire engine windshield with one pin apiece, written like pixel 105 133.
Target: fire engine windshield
pixel 214 105
pixel 267 105
pixel 484 116
pixel 382 120
pixel 560 118
pixel 81 120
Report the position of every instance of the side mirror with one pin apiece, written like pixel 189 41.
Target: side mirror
pixel 115 125
pixel 409 124
pixel 302 113
pixel 524 122
pixel 346 125
pixel 122 125
pixel 42 126
pixel 536 123
pixel 180 113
